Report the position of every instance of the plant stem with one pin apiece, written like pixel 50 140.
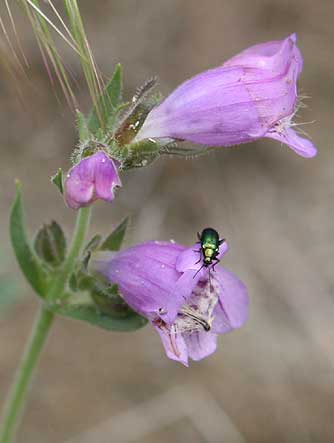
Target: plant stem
pixel 17 395
pixel 56 291
pixel 44 320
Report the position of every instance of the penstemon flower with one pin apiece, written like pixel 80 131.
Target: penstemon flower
pixel 252 95
pixel 188 306
pixel 94 177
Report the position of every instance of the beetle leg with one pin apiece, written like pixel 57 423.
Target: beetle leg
pixel 198 270
pixel 200 258
pixel 221 241
pixel 214 264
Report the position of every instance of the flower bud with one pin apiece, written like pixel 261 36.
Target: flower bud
pixel 94 177
pixel 252 95
pixel 187 304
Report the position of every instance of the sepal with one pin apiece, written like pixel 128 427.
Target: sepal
pixel 114 241
pixel 57 180
pixel 50 244
pixel 102 306
pixel 133 118
pixel 93 244
pixel 107 104
pixel 89 313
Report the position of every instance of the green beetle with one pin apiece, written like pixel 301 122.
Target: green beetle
pixel 209 249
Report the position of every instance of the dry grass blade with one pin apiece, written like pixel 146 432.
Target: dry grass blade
pixel 94 82
pixel 72 31
pixel 50 23
pixel 18 42
pixel 10 60
pixel 41 25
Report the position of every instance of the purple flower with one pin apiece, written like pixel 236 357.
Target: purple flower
pixel 160 280
pixel 93 178
pixel 250 96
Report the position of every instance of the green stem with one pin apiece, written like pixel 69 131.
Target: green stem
pixel 17 395
pixel 56 291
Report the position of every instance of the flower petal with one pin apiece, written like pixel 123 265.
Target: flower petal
pixel 174 344
pixel 179 294
pixel 190 258
pixel 106 178
pixel 200 344
pixel 233 297
pixel 94 177
pixel 213 108
pixel 147 278
pixel 302 146
pixel 269 56
pixel 221 323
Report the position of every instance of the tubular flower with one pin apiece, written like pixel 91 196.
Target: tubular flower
pixel 252 95
pixel 188 305
pixel 93 178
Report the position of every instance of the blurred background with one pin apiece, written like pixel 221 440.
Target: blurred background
pixel 272 380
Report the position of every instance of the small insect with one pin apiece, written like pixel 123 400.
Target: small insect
pixel 209 250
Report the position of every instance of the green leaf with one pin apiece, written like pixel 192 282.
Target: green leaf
pixel 82 126
pixel 107 103
pixel 26 258
pixel 91 314
pixel 114 241
pixel 73 282
pixel 90 247
pixel 57 180
pixel 92 244
pixel 50 244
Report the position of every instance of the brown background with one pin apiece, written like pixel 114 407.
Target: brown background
pixel 273 380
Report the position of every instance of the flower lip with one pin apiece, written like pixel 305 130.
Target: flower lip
pixel 270 55
pixel 94 177
pixel 217 305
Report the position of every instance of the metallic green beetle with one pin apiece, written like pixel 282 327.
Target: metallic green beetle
pixel 209 250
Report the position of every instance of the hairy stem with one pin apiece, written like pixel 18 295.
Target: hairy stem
pixel 17 395
pixel 44 320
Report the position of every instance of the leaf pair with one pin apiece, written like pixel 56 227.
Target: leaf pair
pixel 106 309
